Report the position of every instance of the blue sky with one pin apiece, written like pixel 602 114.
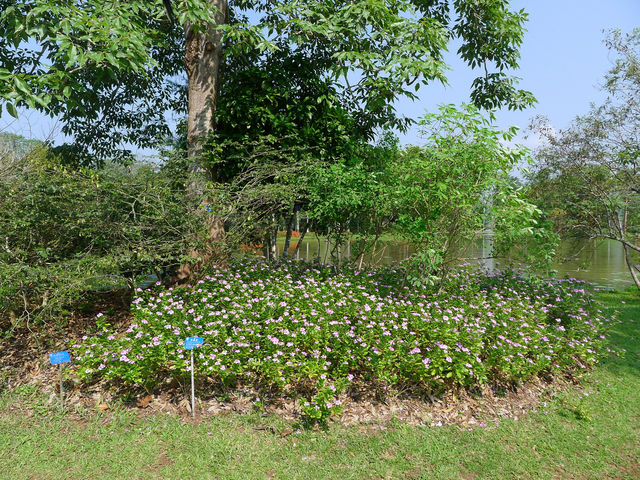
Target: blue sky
pixel 563 61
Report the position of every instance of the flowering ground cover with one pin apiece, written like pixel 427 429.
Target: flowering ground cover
pixel 589 431
pixel 307 330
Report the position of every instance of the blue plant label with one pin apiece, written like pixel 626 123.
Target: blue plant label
pixel 192 342
pixel 59 357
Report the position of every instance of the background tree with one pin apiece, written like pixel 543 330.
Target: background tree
pixel 17 145
pixel 278 113
pixel 588 175
pixel 445 192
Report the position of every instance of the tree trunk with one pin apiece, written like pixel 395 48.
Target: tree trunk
pixel 630 266
pixel 274 241
pixel 266 248
pixel 287 240
pixel 304 232
pixel 203 53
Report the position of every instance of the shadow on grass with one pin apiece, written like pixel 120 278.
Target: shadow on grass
pixel 625 335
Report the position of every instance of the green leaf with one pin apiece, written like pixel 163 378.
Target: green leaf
pixel 21 85
pixel 12 110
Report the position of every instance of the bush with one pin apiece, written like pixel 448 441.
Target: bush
pixel 66 231
pixel 297 325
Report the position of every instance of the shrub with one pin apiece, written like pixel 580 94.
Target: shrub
pixel 66 231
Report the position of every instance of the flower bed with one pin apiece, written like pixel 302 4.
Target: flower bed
pixel 299 327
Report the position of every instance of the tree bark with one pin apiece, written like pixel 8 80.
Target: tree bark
pixel 304 232
pixel 631 268
pixel 203 53
pixel 287 240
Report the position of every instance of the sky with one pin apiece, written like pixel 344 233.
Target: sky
pixel 563 61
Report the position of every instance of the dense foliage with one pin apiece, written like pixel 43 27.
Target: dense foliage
pixel 64 224
pixel 301 328
pixel 108 68
pixel 457 186
pixel 66 232
pixel 438 196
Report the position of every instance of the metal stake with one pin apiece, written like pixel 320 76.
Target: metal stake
pixel 61 390
pixel 193 390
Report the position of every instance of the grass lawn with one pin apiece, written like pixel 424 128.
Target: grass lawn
pixel 594 433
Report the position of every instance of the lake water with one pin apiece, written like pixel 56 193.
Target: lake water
pixel 599 262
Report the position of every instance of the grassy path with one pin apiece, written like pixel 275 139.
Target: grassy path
pixel 596 435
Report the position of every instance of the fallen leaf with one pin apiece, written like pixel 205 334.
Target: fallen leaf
pixel 144 402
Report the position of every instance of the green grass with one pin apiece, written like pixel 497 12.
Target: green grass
pixel 575 436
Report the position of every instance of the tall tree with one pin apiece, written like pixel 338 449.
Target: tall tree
pixel 203 53
pixel 108 66
pixel 588 175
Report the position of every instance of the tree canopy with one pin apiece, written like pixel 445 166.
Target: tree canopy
pixel 109 68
